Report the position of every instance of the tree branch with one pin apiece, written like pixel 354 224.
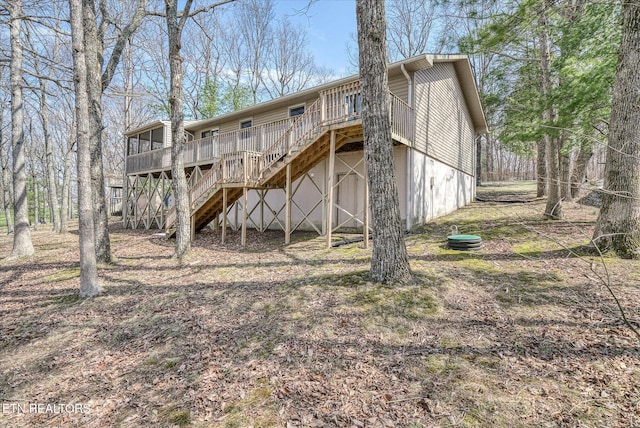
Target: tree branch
pixel 208 8
pixel 124 35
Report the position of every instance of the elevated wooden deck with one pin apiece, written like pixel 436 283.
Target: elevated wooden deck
pixel 294 147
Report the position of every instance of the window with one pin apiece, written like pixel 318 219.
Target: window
pixel 296 111
pixel 133 145
pixel 354 104
pixel 145 142
pixel 156 139
pixel 209 133
pixel 245 128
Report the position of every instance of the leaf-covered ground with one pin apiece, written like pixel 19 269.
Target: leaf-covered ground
pixel 520 333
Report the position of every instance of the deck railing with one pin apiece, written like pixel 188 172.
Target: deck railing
pixel 401 119
pixel 274 139
pixel 154 159
pixel 211 148
pixel 341 103
pixel 243 156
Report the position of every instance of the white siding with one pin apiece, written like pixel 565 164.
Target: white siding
pixel 437 189
pixel 308 195
pixel 444 129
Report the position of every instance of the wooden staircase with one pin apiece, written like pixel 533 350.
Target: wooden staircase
pixel 303 145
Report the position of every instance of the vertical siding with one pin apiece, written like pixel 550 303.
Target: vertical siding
pixel 444 129
pixel 167 134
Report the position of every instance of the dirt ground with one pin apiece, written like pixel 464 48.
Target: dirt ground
pixel 520 333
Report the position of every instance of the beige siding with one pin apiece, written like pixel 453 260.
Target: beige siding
pixel 257 119
pixel 399 86
pixel 444 129
pixel 167 135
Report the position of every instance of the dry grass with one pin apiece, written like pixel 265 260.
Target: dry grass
pixel 519 333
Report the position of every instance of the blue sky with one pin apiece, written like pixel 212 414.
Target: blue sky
pixel 330 23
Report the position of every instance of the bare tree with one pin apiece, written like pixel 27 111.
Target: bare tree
pixel 618 224
pixel 256 17
pixel 89 285
pixel 411 28
pixel 5 178
pixel 389 261
pixel 22 245
pixel 292 66
pixel 43 112
pixel 97 81
pixel 175 25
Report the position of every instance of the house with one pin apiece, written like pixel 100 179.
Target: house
pixel 296 162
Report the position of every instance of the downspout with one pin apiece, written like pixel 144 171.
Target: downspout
pixel 409 153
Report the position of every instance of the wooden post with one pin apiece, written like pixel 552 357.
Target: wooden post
pixel 245 168
pixel 324 195
pixel 224 215
pixel 332 161
pixel 262 196
pixel 244 217
pixel 193 227
pixel 366 202
pixel 287 221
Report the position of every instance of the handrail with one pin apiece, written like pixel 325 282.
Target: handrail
pixel 401 118
pixel 170 218
pixel 302 124
pixel 254 139
pixel 248 166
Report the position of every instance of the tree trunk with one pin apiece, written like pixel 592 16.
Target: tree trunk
pixel 178 177
pixel 89 285
pixel 5 180
pixel 94 85
pixel 36 202
pixel 541 169
pixel 66 186
pixel 553 209
pixel 618 224
pixel 579 172
pixel 52 181
pixel 6 198
pixel 389 261
pixel 22 245
pixel 565 174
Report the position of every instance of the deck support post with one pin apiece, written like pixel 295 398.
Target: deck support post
pixel 332 161
pixel 325 164
pixel 366 203
pixel 216 223
pixel 244 217
pixel 192 225
pixel 287 221
pixel 223 233
pixel 263 194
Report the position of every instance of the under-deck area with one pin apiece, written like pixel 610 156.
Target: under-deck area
pixel 240 171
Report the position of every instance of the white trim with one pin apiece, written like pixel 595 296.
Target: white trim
pixel 249 119
pixel 210 131
pixel 304 105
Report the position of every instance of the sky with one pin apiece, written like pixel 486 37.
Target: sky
pixel 330 23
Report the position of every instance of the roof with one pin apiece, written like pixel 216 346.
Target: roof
pixel 419 62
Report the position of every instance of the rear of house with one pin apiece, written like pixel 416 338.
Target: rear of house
pixel 296 162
